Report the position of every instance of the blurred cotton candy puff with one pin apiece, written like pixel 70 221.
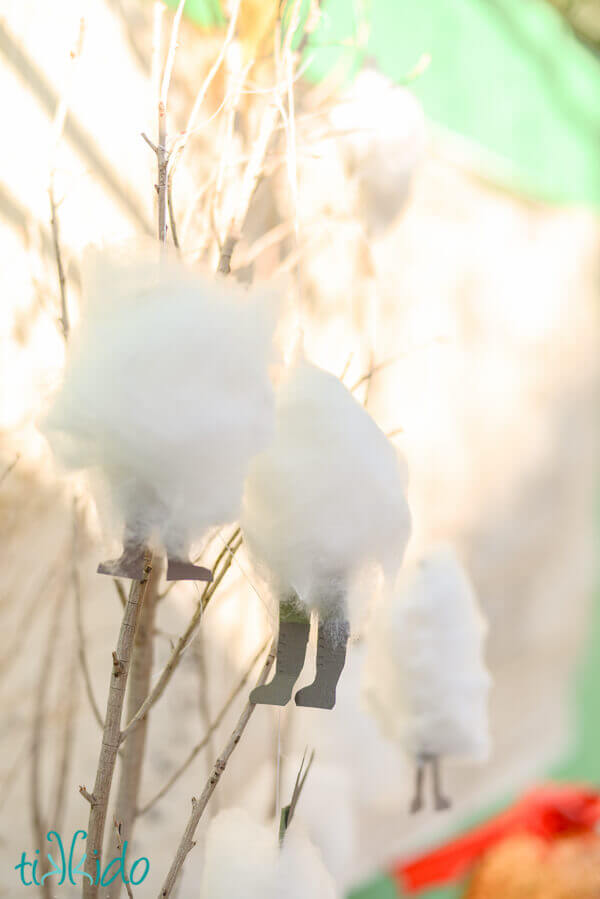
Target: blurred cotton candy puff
pixel 384 139
pixel 424 678
pixel 243 858
pixel 166 393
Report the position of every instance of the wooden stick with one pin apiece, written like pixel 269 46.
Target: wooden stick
pixel 132 755
pixel 98 799
pixel 81 642
pixel 207 736
pixel 180 647
pixel 199 805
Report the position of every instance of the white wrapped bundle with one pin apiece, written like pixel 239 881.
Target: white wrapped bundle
pixel 328 496
pixel 243 859
pixel 424 677
pixel 166 392
pixel 384 140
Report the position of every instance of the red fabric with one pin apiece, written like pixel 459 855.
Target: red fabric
pixel 549 811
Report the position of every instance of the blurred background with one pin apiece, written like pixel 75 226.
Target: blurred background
pixel 432 210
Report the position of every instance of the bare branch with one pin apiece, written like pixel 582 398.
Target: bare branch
pixel 120 591
pixel 373 369
pixel 206 738
pixel 288 812
pixel 112 725
pixel 81 643
pixel 182 644
pixel 58 128
pixel 166 81
pixel 8 470
pixel 199 805
pixel 67 743
pixel 39 821
pixel 62 281
pixel 201 95
pixel 172 221
pixel 150 143
pixel 89 797
pixel 132 754
pixel 118 829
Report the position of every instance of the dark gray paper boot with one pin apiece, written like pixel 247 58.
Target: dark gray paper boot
pixel 440 801
pixel 331 658
pixel 291 650
pixel 183 570
pixel 131 563
pixel 417 800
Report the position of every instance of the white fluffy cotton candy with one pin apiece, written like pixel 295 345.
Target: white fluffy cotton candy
pixel 166 391
pixel 384 141
pixel 424 677
pixel 328 496
pixel 243 860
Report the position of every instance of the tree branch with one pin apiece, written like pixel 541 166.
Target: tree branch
pixel 181 645
pixel 199 805
pixel 132 754
pixel 112 724
pixel 206 738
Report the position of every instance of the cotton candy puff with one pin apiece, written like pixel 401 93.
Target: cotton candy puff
pixel 166 392
pixel 383 139
pixel 324 500
pixel 244 859
pixel 328 495
pixel 424 678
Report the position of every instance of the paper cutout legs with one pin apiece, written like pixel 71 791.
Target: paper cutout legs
pixel 440 801
pixel 179 569
pixel 294 629
pixel 331 658
pixel 131 563
pixel 291 650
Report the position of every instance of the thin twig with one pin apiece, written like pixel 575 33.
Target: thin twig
pixel 200 648
pixel 373 369
pixel 11 777
pixel 207 736
pixel 120 592
pixel 8 470
pixel 58 128
pixel 287 813
pixel 62 281
pixel 166 81
pixel 199 805
pixel 182 644
pixel 39 820
pixel 201 95
pixel 67 744
pixel 118 830
pixel 81 643
pixel 172 221
pixel 255 167
pixel 112 725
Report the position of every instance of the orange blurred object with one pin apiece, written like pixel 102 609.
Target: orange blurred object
pixel 527 866
pixel 547 814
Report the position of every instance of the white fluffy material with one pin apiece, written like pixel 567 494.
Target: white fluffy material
pixel 424 677
pixel 243 860
pixel 328 495
pixel 386 140
pixel 166 391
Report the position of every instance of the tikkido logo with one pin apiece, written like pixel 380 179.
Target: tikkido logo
pixel 66 869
